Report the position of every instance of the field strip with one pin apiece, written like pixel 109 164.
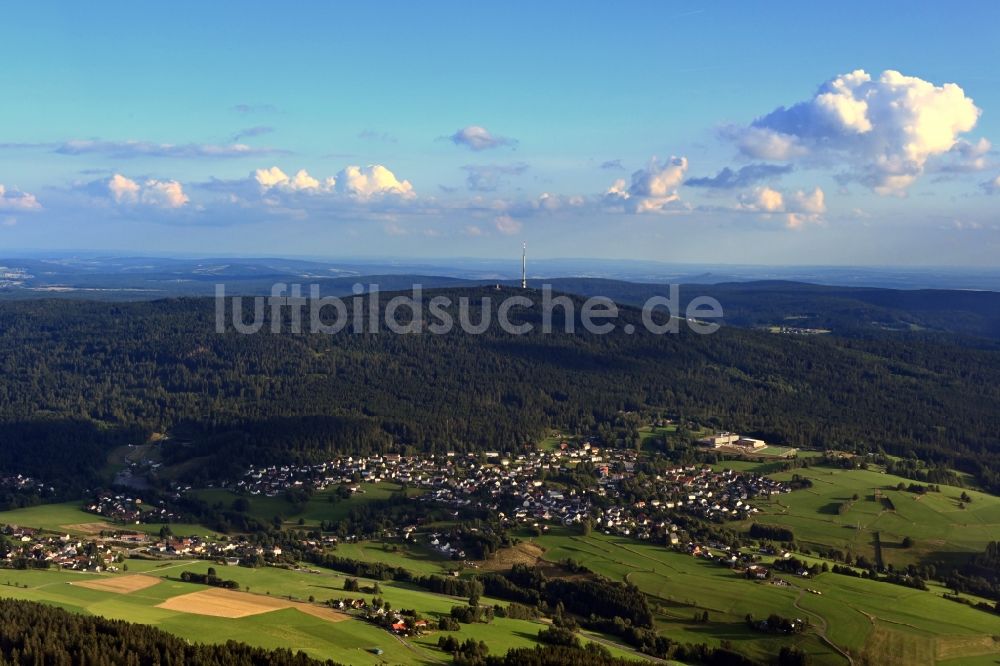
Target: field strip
pixel 183 563
pixel 952 647
pixel 89 528
pixel 217 602
pixel 822 628
pixel 120 584
pixel 649 557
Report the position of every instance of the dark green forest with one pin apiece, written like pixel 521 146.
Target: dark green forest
pixel 79 378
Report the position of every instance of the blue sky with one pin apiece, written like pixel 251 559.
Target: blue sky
pixel 437 129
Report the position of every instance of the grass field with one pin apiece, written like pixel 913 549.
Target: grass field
pixel 69 518
pixel 939 528
pixel 348 642
pixel 417 558
pixel 278 599
pixel 318 508
pixel 877 622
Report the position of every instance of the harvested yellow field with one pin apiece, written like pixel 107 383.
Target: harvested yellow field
pixel 230 603
pixel 89 528
pixel 327 614
pixel 120 584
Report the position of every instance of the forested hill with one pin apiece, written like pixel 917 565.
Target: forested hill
pixel 845 310
pixel 80 377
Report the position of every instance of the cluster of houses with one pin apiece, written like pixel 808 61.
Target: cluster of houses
pixel 400 622
pixel 26 548
pixel 525 489
pixel 698 491
pixel 24 484
pixel 127 509
pixel 13 277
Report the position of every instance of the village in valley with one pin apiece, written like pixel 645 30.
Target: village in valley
pixel 371 527
pixel 622 496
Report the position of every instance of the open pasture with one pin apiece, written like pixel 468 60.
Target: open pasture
pixel 877 622
pixel 323 505
pixel 70 518
pixel 275 613
pixel 294 625
pixel 827 516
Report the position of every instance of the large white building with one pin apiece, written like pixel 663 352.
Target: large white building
pixel 731 439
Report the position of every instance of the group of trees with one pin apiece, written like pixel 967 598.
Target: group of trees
pixel 980 576
pixel 209 578
pixel 771 532
pixel 775 624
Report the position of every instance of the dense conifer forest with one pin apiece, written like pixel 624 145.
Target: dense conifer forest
pixel 82 377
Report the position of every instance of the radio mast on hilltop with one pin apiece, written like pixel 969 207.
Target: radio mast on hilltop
pixel 524 264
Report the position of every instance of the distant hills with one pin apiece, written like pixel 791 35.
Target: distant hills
pixel 845 310
pixel 778 303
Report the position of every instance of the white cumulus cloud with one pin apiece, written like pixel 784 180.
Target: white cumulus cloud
pixel 885 129
pixel 151 192
pixel 479 138
pixel 356 182
pixel 651 189
pixel 300 182
pixel 798 207
pixel 17 200
pixel 371 181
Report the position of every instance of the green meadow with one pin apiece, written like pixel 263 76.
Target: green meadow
pixel 936 522
pixel 69 517
pixel 350 641
pixel 877 622
pixel 323 505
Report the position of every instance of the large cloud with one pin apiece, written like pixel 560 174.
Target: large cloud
pixel 651 189
pixel 885 129
pixel 17 200
pixel 356 182
pixel 151 192
pixel 479 138
pixel 799 207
